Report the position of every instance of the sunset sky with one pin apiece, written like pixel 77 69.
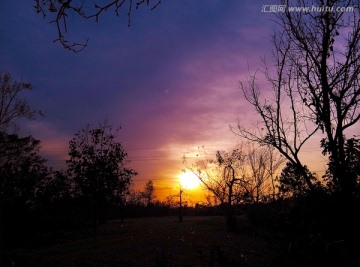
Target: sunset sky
pixel 171 80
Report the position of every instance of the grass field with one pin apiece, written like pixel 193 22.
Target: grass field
pixel 162 241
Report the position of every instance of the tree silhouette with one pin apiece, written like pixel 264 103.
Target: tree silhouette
pixel 149 193
pixel 22 171
pixel 325 56
pixel 97 165
pixel 54 189
pixel 60 10
pixel 263 163
pixel 243 175
pixel 283 122
pixel 12 106
pixel 352 161
pixel 291 183
pixel 316 86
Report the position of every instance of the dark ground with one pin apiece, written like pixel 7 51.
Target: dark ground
pixel 162 241
pixel 272 235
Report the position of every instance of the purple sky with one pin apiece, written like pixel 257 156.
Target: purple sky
pixel 171 80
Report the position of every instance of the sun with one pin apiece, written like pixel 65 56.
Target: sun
pixel 189 180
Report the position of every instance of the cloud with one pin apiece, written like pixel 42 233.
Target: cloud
pixel 170 80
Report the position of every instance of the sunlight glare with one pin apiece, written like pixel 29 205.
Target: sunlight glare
pixel 189 180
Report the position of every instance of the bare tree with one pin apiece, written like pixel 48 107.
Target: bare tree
pixel 219 175
pixel 317 58
pixel 13 107
pixel 263 164
pixel 276 161
pixel 60 10
pixel 324 51
pixel 284 123
pixel 242 175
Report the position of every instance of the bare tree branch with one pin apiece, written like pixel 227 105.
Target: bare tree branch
pixel 317 56
pixel 60 10
pixel 12 106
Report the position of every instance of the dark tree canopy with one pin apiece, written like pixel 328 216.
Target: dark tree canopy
pixel 352 167
pixel 97 165
pixel 291 182
pixel 22 170
pixel 60 10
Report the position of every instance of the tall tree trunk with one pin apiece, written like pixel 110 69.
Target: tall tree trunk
pixel 230 213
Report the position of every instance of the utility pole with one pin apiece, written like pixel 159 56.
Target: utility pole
pixel 180 204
